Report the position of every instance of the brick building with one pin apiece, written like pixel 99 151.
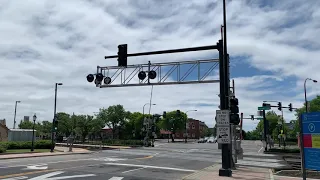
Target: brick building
pixel 195 129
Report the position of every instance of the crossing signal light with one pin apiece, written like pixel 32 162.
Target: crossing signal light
pixel 279 106
pixel 122 55
pixel 178 112
pixel 252 117
pixel 152 74
pixel 290 107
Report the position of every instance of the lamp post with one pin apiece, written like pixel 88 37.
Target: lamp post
pixel 34 122
pixel 15 113
pixel 186 133
pixel 54 115
pixel 305 91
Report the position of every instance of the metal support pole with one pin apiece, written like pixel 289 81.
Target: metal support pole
pixel 303 169
pixel 54 117
pixel 226 159
pixel 15 114
pixel 265 129
pixel 32 145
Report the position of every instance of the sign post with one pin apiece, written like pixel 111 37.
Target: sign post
pixel 310 141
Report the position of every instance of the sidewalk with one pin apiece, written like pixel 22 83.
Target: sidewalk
pixel 58 151
pixel 95 146
pixel 243 173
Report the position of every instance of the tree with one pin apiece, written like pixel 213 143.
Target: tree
pixel 65 125
pixel 114 117
pixel 174 122
pixel 135 125
pixel 272 119
pixel 314 107
pixel 84 125
pixel 25 125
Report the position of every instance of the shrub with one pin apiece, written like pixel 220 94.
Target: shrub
pixel 41 144
pixel 3 148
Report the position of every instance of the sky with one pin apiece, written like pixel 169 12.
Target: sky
pixel 273 46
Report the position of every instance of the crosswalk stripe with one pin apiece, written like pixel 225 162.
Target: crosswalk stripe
pixel 116 178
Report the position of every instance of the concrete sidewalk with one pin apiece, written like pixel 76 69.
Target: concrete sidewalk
pixel 247 173
pixel 58 151
pixel 94 146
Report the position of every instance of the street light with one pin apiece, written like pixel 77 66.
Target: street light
pixel 186 135
pixel 144 106
pixel 305 91
pixel 54 115
pixel 34 122
pixel 15 113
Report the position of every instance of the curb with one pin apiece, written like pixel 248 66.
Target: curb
pixel 17 157
pixel 199 171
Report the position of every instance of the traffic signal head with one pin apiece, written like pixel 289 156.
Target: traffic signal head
pixel 90 78
pixel 122 55
pixel 234 105
pixel 152 74
pixel 142 75
pixel 99 77
pixel 164 114
pixel 178 112
pixel 290 107
pixel 279 106
pixel 234 119
pixel 252 117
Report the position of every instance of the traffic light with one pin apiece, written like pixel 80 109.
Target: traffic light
pixel 90 78
pixel 252 117
pixel 164 115
pixel 279 106
pixel 122 55
pixel 178 112
pixel 234 105
pixel 55 125
pixel 234 110
pixel 290 107
pixel 234 119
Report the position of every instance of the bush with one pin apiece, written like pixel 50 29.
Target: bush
pixel 285 150
pixel 3 148
pixel 41 144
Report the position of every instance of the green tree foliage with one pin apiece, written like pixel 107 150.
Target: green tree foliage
pixel 174 122
pixel 314 107
pixel 25 125
pixel 272 119
pixel 114 117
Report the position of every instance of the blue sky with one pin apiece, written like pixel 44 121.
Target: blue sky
pixel 273 46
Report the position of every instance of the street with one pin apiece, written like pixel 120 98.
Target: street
pixel 165 161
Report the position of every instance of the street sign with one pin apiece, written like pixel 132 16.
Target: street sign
pixel 223 135
pixel 223 117
pixel 311 138
pixel 264 108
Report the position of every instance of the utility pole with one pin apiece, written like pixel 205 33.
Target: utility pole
pixel 15 114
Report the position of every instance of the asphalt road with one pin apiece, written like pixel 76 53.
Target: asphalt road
pixel 163 162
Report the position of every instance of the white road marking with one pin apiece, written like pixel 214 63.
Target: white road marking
pixel 47 176
pixel 116 178
pixel 132 170
pixel 16 178
pixel 260 149
pixel 38 167
pixel 151 167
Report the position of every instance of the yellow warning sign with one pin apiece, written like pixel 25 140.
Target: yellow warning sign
pixel 315 140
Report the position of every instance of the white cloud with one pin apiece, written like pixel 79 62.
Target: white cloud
pixel 44 42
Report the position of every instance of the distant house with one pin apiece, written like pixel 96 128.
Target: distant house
pixel 3 131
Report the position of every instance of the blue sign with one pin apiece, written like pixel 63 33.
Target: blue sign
pixel 311 138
